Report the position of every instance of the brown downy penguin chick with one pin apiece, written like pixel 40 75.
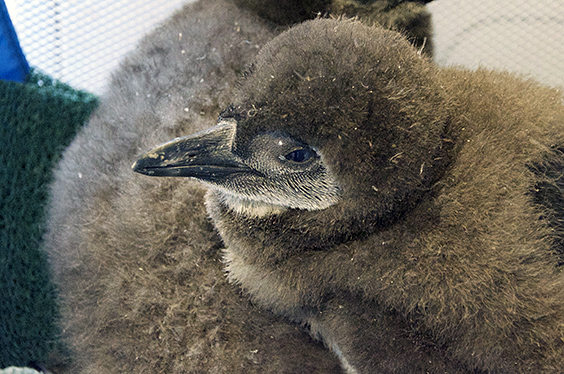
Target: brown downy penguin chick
pixel 136 260
pixel 406 216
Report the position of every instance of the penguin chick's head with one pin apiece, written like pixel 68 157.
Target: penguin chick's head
pixel 333 117
pixel 271 172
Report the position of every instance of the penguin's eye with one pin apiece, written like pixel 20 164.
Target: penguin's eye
pixel 300 155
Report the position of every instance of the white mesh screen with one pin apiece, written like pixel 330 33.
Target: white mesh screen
pixel 516 35
pixel 81 41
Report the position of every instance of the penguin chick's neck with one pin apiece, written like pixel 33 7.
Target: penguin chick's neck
pixel 248 207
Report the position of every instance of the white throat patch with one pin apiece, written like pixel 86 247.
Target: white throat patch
pixel 250 208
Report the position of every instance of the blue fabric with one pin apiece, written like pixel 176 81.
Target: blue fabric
pixel 13 65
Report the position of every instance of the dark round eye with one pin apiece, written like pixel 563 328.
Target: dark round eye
pixel 300 155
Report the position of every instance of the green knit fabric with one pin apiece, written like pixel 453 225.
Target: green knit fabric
pixel 37 120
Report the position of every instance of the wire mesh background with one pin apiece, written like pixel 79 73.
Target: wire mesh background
pixel 81 41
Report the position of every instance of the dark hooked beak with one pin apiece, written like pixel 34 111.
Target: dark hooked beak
pixel 206 155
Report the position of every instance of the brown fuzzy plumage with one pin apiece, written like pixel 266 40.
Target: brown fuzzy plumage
pixel 440 257
pixel 136 260
pixel 443 254
pixel 408 17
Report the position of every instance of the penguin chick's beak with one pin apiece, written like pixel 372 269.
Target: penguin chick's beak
pixel 206 155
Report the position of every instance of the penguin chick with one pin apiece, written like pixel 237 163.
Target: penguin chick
pixel 136 261
pixel 410 233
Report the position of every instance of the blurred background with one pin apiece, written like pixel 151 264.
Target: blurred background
pixel 81 41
